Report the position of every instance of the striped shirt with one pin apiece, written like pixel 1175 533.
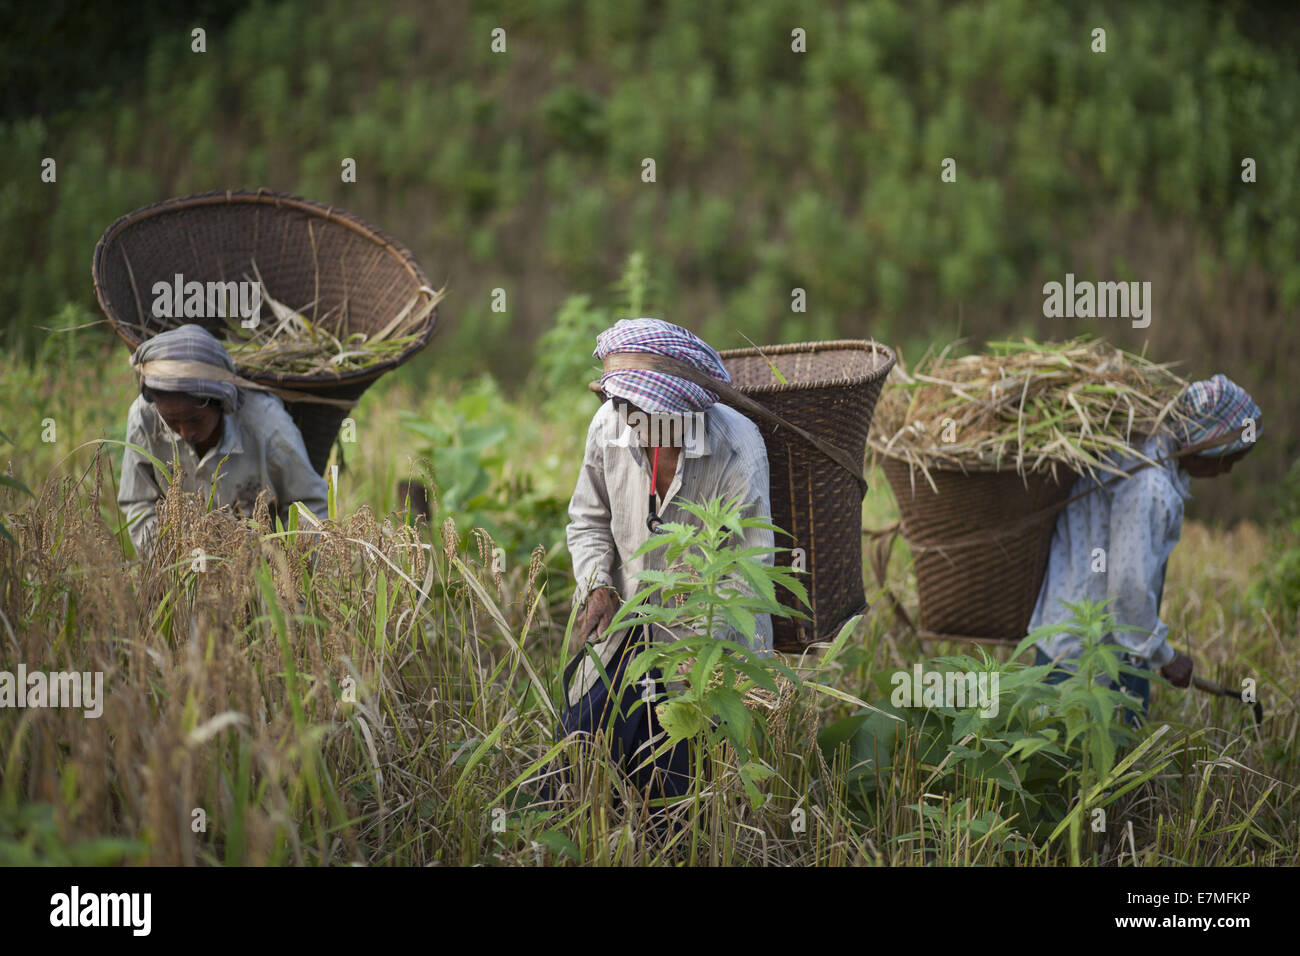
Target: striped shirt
pixel 260 447
pixel 607 514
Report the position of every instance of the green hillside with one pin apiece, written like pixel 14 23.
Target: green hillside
pixel 775 170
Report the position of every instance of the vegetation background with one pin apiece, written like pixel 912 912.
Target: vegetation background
pixel 775 170
pixel 521 171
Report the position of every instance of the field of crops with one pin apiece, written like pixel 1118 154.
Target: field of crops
pixel 392 700
pixel 383 689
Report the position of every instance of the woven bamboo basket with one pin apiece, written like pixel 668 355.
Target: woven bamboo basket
pixel 979 544
pixel 831 390
pixel 305 251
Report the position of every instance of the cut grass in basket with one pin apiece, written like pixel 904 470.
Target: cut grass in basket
pixel 285 342
pixel 1025 405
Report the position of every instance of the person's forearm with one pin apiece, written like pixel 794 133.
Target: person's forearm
pixel 592 567
pixel 294 480
pixel 1145 526
pixel 139 488
pixel 1158 654
pixel 138 501
pixel 292 477
pixel 310 493
pixel 762 633
pixel 591 543
pixel 317 505
pixel 1151 645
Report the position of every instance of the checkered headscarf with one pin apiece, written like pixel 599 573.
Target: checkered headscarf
pixel 1217 406
pixel 189 343
pixel 657 392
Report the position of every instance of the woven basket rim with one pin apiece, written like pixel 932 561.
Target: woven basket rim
pixel 885 359
pixel 318 382
pixel 1062 467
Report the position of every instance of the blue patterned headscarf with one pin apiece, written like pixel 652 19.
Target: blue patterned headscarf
pixel 657 392
pixel 1218 406
pixel 189 343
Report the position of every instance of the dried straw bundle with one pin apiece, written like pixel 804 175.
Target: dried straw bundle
pixel 285 342
pixel 1025 405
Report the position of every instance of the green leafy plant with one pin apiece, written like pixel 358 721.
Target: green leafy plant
pixel 1277 581
pixel 7 482
pixel 713 588
pixel 30 836
pixel 1055 748
pixel 1091 709
pixel 469 442
pixel 564 359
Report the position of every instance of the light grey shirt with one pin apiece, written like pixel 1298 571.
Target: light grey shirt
pixel 607 514
pixel 260 447
pixel 1135 522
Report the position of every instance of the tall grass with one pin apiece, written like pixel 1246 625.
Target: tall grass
pixel 370 692
pixel 374 693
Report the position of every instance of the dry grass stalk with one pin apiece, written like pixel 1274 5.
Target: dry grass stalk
pixel 1029 406
pixel 285 342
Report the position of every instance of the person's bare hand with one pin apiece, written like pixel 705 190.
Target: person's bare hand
pixel 1178 671
pixel 595 616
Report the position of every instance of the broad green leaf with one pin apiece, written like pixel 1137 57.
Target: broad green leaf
pixel 557 842
pixel 680 719
pixel 729 705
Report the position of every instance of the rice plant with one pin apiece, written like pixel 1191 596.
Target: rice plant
pixel 366 693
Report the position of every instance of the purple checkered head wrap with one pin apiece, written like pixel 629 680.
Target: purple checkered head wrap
pixel 1216 407
pixel 656 392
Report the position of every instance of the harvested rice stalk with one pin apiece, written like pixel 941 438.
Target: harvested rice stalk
pixel 287 343
pixel 1026 405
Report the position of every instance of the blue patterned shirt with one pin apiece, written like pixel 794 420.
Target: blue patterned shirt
pixel 1136 522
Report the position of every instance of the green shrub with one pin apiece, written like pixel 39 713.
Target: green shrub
pixel 1055 749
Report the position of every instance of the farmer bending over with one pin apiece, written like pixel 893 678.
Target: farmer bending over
pixel 1138 521
pixel 704 450
pixel 193 413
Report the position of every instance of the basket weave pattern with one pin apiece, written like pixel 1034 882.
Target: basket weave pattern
pixel 831 390
pixel 305 251
pixel 979 563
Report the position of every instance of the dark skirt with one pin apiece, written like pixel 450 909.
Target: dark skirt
pixel 634 723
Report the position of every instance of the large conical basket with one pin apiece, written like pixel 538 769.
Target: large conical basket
pixel 830 390
pixel 980 545
pixel 305 252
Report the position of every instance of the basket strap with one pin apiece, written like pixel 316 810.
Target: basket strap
pixel 173 368
pixel 882 544
pixel 653 362
pixel 1016 527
